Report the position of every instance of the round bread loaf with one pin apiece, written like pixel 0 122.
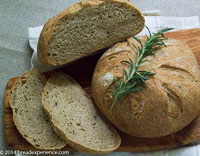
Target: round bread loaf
pixel 168 103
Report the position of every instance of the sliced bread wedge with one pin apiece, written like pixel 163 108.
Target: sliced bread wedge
pixel 28 113
pixel 75 117
pixel 86 27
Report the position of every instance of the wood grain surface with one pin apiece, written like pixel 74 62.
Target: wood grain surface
pixel 82 72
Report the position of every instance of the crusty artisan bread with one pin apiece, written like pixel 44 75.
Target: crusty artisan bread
pixel 86 27
pixel 187 135
pixel 28 113
pixel 76 118
pixel 171 99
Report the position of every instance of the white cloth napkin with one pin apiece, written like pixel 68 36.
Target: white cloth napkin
pixel 155 23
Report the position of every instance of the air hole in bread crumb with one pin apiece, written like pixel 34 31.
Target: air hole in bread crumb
pixel 23 81
pixel 83 129
pixel 16 110
pixel 37 145
pixel 78 124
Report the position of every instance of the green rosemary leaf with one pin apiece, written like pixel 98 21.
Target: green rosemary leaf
pixel 138 88
pixel 125 73
pixel 149 52
pixel 148 31
pixel 134 80
pixel 133 85
pixel 148 73
pixel 114 90
pixel 136 76
pixel 139 41
pixel 144 77
pixel 134 46
pixel 131 61
pixel 121 83
pixel 161 42
pixel 116 82
pixel 142 62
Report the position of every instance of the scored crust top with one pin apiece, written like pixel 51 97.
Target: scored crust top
pixel 169 102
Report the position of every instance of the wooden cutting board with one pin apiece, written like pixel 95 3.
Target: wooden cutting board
pixel 82 72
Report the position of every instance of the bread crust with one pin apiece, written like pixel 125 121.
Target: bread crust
pixel 185 136
pixel 52 24
pixel 12 84
pixel 77 145
pixel 170 101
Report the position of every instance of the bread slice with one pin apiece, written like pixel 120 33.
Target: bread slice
pixel 28 113
pixel 75 117
pixel 86 27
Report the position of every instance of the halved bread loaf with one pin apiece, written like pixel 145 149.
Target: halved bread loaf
pixel 75 117
pixel 28 113
pixel 86 27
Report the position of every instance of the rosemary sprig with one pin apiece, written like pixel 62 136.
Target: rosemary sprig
pixel 134 79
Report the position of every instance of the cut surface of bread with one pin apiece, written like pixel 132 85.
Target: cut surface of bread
pixel 75 117
pixel 28 113
pixel 86 27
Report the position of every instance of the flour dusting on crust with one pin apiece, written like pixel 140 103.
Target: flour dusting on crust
pixel 107 78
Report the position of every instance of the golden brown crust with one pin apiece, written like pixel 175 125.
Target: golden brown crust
pixel 185 136
pixel 170 101
pixel 9 85
pixel 78 146
pixel 52 24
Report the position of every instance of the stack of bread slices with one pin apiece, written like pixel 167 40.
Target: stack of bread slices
pixel 51 113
